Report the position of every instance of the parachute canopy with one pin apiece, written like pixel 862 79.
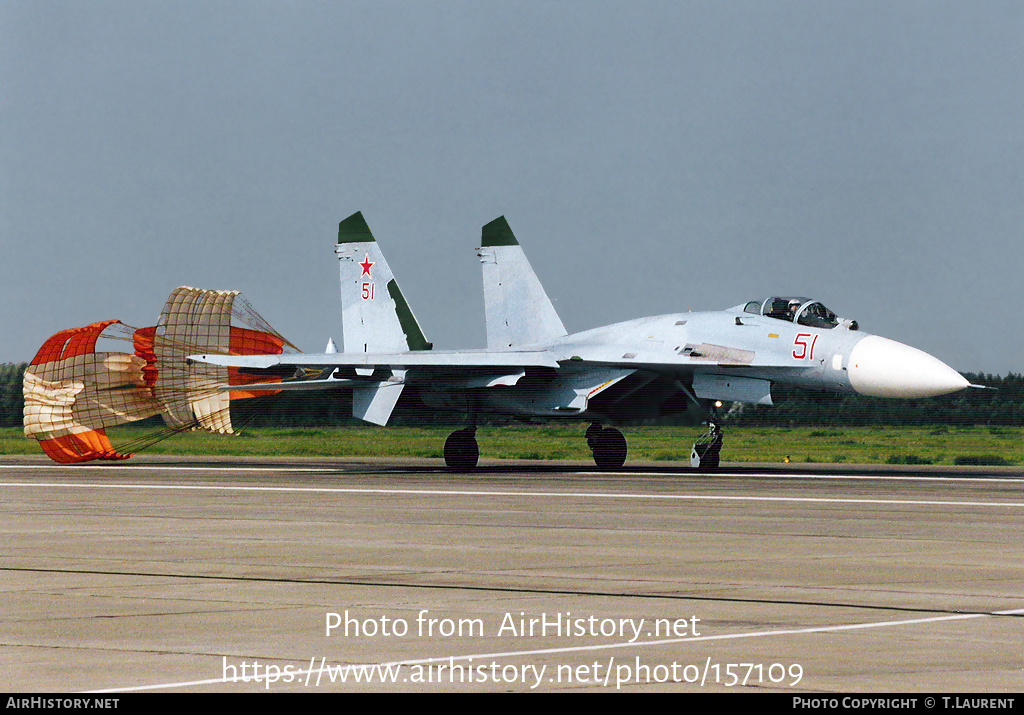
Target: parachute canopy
pixel 199 321
pixel 73 393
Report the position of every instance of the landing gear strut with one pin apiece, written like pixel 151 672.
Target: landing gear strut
pixel 608 446
pixel 461 451
pixel 707 449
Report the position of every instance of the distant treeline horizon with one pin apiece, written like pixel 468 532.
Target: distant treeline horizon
pixel 793 407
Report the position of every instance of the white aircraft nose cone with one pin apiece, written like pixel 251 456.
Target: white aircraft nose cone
pixel 885 368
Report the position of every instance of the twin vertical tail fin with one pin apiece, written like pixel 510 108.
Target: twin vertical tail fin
pixel 375 316
pixel 517 309
pixel 377 319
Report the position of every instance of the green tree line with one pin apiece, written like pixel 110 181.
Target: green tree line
pixel 1003 405
pixel 11 401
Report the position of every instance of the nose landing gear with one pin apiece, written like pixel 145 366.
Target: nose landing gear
pixel 708 449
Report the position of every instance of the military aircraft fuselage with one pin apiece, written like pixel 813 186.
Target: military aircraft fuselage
pixel 729 355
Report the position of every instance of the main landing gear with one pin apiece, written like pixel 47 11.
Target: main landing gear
pixel 608 446
pixel 461 451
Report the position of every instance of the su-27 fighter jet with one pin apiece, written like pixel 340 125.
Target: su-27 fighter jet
pixel 533 369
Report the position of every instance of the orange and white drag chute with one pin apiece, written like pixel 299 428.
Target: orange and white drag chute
pixel 193 395
pixel 73 393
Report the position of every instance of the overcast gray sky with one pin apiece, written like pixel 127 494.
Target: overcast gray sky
pixel 651 157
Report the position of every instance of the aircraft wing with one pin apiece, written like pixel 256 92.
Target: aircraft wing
pixel 377 379
pixel 481 359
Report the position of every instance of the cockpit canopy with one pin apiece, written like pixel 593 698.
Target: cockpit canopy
pixel 803 311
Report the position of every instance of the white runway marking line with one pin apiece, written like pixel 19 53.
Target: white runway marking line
pixel 605 646
pixel 766 475
pixel 352 471
pixel 176 468
pixel 504 493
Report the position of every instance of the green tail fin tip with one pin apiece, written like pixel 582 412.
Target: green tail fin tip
pixel 354 230
pixel 498 233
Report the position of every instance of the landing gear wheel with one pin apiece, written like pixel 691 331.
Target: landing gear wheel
pixel 609 447
pixel 461 450
pixel 707 450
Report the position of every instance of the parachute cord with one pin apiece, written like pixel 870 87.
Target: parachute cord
pixel 150 439
pixel 143 442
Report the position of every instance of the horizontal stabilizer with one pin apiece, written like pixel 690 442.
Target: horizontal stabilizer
pixel 299 385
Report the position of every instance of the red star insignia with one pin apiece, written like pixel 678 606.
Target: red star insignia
pixel 366 265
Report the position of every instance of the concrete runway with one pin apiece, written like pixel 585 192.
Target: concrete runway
pixel 171 574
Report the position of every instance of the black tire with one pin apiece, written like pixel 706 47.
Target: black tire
pixel 710 454
pixel 609 447
pixel 709 461
pixel 461 451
